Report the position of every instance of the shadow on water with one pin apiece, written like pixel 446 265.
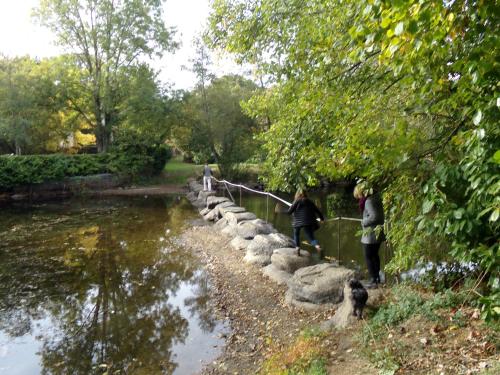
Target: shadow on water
pixel 349 253
pixel 96 286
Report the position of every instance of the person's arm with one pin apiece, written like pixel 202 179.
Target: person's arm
pixel 372 213
pixel 292 208
pixel 318 212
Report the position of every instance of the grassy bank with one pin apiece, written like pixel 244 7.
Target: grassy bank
pixel 411 331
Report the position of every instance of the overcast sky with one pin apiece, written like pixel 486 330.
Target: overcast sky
pixel 20 36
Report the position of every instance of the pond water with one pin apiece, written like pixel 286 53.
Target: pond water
pixel 345 233
pixel 88 287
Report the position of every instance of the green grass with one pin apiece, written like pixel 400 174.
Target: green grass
pixel 178 172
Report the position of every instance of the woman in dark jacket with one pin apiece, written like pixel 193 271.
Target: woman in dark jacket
pixel 373 234
pixel 304 213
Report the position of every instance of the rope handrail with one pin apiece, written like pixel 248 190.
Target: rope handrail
pixel 225 182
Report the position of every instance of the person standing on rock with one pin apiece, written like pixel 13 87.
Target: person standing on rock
pixel 207 178
pixel 304 214
pixel 373 235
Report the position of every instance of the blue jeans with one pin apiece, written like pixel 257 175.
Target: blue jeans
pixel 309 231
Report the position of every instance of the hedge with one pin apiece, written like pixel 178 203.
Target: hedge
pixel 132 160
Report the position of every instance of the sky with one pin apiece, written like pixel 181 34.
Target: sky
pixel 19 35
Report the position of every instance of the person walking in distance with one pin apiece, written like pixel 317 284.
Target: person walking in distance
pixel 207 178
pixel 304 213
pixel 373 235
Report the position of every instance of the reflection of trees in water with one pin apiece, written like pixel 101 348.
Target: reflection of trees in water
pixel 199 303
pixel 108 302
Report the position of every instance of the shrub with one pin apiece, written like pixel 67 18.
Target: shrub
pixel 35 169
pixel 125 159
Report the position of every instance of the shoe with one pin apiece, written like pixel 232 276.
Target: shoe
pixel 372 285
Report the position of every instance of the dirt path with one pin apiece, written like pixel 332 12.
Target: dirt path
pixel 260 320
pixel 146 190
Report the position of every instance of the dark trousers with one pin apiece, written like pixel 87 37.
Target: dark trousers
pixel 372 260
pixel 309 231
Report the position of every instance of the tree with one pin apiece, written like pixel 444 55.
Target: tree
pixel 214 126
pixel 400 93
pixel 107 37
pixel 30 107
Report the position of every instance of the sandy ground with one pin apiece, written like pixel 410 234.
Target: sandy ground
pixel 255 307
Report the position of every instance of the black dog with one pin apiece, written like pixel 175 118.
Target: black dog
pixel 359 296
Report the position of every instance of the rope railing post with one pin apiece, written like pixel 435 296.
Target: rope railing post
pixel 231 195
pixel 338 238
pixel 240 196
pixel 267 208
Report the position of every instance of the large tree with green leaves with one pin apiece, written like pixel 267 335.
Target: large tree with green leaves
pixel 107 37
pixel 401 93
pixel 32 113
pixel 213 125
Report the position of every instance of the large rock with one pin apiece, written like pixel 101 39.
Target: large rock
pixel 192 196
pixel 233 209
pixel 215 214
pixel 344 315
pixel 212 215
pixel 233 218
pixel 261 248
pixel 286 259
pixel 230 230
pixel 195 186
pixel 203 195
pixel 250 229
pixel 221 224
pixel 213 201
pixel 321 283
pixel 205 211
pixel 239 243
pixel 278 276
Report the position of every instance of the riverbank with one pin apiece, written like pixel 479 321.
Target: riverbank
pixel 407 328
pixel 262 323
pixel 406 332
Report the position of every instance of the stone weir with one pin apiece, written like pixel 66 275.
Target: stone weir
pixel 310 286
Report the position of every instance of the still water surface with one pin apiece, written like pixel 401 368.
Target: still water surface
pixel 95 286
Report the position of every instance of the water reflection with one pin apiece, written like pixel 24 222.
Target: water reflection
pixel 99 287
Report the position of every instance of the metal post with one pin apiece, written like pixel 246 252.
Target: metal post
pixel 231 195
pixel 338 238
pixel 267 208
pixel 240 196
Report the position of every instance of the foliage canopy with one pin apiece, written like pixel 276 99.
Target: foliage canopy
pixel 401 93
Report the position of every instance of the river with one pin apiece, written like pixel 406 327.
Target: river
pixel 98 285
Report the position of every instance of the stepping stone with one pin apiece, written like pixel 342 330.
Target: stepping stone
pixel 280 277
pixel 286 259
pixel 321 283
pixel 239 243
pixel 252 228
pixel 234 218
pixel 261 248
pixel 213 201
pixel 234 209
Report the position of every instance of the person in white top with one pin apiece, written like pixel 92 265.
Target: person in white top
pixel 207 178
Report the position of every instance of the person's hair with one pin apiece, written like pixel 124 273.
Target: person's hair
pixel 301 193
pixel 358 191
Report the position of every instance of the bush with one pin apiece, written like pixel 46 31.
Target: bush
pixel 130 159
pixel 35 169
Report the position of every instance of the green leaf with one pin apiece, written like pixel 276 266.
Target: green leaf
pixel 427 206
pixel 458 214
pixel 496 157
pixel 477 117
pixel 399 28
pixel 494 215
